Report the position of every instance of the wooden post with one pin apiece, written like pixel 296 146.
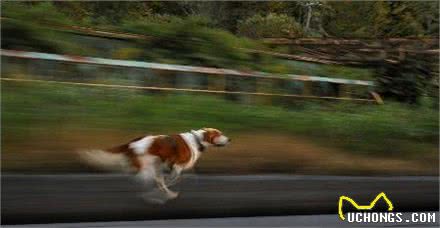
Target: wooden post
pixel 163 78
pixel 218 83
pixel 344 90
pixel 263 85
pixel 307 88
pixel 231 84
pixel 376 97
pixel 190 80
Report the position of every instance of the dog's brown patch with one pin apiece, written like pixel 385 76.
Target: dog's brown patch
pixel 171 149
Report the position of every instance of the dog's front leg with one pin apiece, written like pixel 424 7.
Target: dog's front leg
pixel 163 187
pixel 174 176
pixel 160 181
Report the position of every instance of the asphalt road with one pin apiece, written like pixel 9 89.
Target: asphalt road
pixel 261 221
pixel 85 198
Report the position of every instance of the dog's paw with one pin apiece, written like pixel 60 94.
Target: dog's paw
pixel 172 195
pixel 154 198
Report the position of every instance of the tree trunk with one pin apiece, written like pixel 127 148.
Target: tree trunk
pixel 309 17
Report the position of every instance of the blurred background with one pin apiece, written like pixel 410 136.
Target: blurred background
pixel 311 92
pixel 313 87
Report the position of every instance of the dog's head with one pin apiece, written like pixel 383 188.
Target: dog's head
pixel 212 137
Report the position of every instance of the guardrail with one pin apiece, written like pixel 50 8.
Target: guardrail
pixel 173 67
pixel 342 86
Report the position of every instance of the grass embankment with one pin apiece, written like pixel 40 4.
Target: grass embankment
pixel 43 124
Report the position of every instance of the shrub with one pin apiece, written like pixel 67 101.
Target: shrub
pixel 272 25
pixel 191 41
pixel 44 13
pixel 30 28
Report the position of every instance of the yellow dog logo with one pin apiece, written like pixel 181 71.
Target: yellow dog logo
pixel 363 207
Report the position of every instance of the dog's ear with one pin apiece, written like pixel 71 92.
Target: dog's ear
pixel 206 136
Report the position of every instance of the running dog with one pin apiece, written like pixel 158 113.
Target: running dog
pixel 148 156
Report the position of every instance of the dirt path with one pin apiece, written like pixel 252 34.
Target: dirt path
pixel 249 153
pixel 280 153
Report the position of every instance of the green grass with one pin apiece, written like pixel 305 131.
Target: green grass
pixel 389 130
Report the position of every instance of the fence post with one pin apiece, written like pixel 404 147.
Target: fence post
pixel 163 78
pixel 216 82
pixel 344 90
pixel 308 88
pixel 263 85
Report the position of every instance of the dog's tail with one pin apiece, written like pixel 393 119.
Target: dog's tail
pixel 105 160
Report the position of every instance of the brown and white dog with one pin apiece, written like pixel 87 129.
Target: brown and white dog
pixel 150 155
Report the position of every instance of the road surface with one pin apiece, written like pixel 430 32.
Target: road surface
pixel 261 221
pixel 107 197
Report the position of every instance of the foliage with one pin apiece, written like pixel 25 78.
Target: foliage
pixel 272 25
pixel 383 19
pixel 103 14
pixel 44 13
pixel 406 80
pixel 127 53
pixel 395 19
pixel 30 27
pixel 340 19
pixel 193 41
pixel 357 13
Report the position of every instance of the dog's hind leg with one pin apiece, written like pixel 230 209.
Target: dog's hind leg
pixel 147 175
pixel 150 174
pixel 146 172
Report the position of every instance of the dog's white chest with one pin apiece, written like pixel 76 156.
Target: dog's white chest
pixel 195 153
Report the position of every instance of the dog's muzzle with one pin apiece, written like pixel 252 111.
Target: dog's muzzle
pixel 221 141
